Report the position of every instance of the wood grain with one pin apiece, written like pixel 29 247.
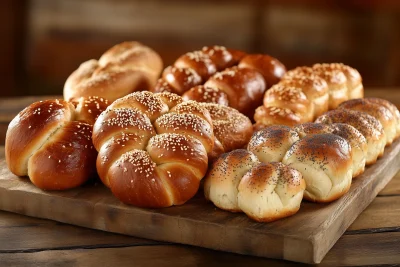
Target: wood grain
pixel 393 188
pixel 305 237
pixel 350 250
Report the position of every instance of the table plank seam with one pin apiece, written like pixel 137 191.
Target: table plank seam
pixel 99 246
pixel 393 229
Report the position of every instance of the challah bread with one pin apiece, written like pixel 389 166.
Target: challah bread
pixel 270 68
pixel 123 69
pixel 271 143
pixel 89 108
pixel 270 191
pixel 200 93
pixel 389 106
pixel 325 162
pixel 380 112
pixel 367 125
pixel 356 140
pixel 232 130
pixel 315 89
pixel 244 88
pixel 222 181
pixel 354 84
pixel 45 143
pixel 292 98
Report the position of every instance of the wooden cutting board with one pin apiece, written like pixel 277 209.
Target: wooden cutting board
pixel 305 237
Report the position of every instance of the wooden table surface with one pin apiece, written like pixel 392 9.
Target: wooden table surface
pixel 373 238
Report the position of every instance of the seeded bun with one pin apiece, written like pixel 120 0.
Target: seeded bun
pixel 325 162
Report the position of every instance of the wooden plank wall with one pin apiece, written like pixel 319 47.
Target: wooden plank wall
pixel 60 34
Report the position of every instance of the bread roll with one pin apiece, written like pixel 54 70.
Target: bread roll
pixel 204 94
pixel 271 143
pixel 354 84
pixel 232 130
pixel 123 69
pixel 179 79
pixel 45 143
pixel 244 88
pixel 325 162
pixel 222 181
pixel 380 112
pixel 270 191
pixel 337 84
pixel 315 89
pixel 198 61
pixel 292 98
pixel 89 108
pixel 389 106
pixel 266 116
pixel 356 140
pixel 152 153
pixel 270 68
pixel 367 125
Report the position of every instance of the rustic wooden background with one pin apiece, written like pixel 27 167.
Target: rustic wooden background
pixel 45 40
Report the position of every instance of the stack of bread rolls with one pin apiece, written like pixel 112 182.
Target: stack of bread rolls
pixel 305 93
pixel 124 68
pixel 327 154
pixel 51 142
pixel 224 76
pixel 154 148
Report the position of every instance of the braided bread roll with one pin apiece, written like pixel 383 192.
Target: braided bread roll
pixel 367 125
pixel 46 142
pixel 210 75
pixel 305 93
pixel 123 69
pixel 264 191
pixel 325 160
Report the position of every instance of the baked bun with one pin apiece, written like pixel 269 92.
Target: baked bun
pixel 271 143
pixel 89 108
pixel 222 181
pixel 266 116
pixel 177 80
pixel 389 106
pixel 123 69
pixel 198 61
pixel 380 112
pixel 270 191
pixel 244 88
pixel 325 162
pixel 270 68
pixel 151 153
pixel 336 81
pixel 232 130
pixel 293 98
pixel 314 88
pixel 45 143
pixel 354 84
pixel 201 93
pixel 356 140
pixel 221 56
pixel 367 125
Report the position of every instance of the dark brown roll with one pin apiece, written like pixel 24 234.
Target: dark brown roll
pixel 270 68
pixel 45 143
pixel 244 88
pixel 89 108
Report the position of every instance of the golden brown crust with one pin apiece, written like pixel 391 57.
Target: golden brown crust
pixel 270 68
pixel 180 79
pixel 44 142
pixel 153 153
pixel 201 93
pixel 244 88
pixel 124 68
pixel 232 129
pixel 220 55
pixel 89 108
pixel 199 62
pixel 266 116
